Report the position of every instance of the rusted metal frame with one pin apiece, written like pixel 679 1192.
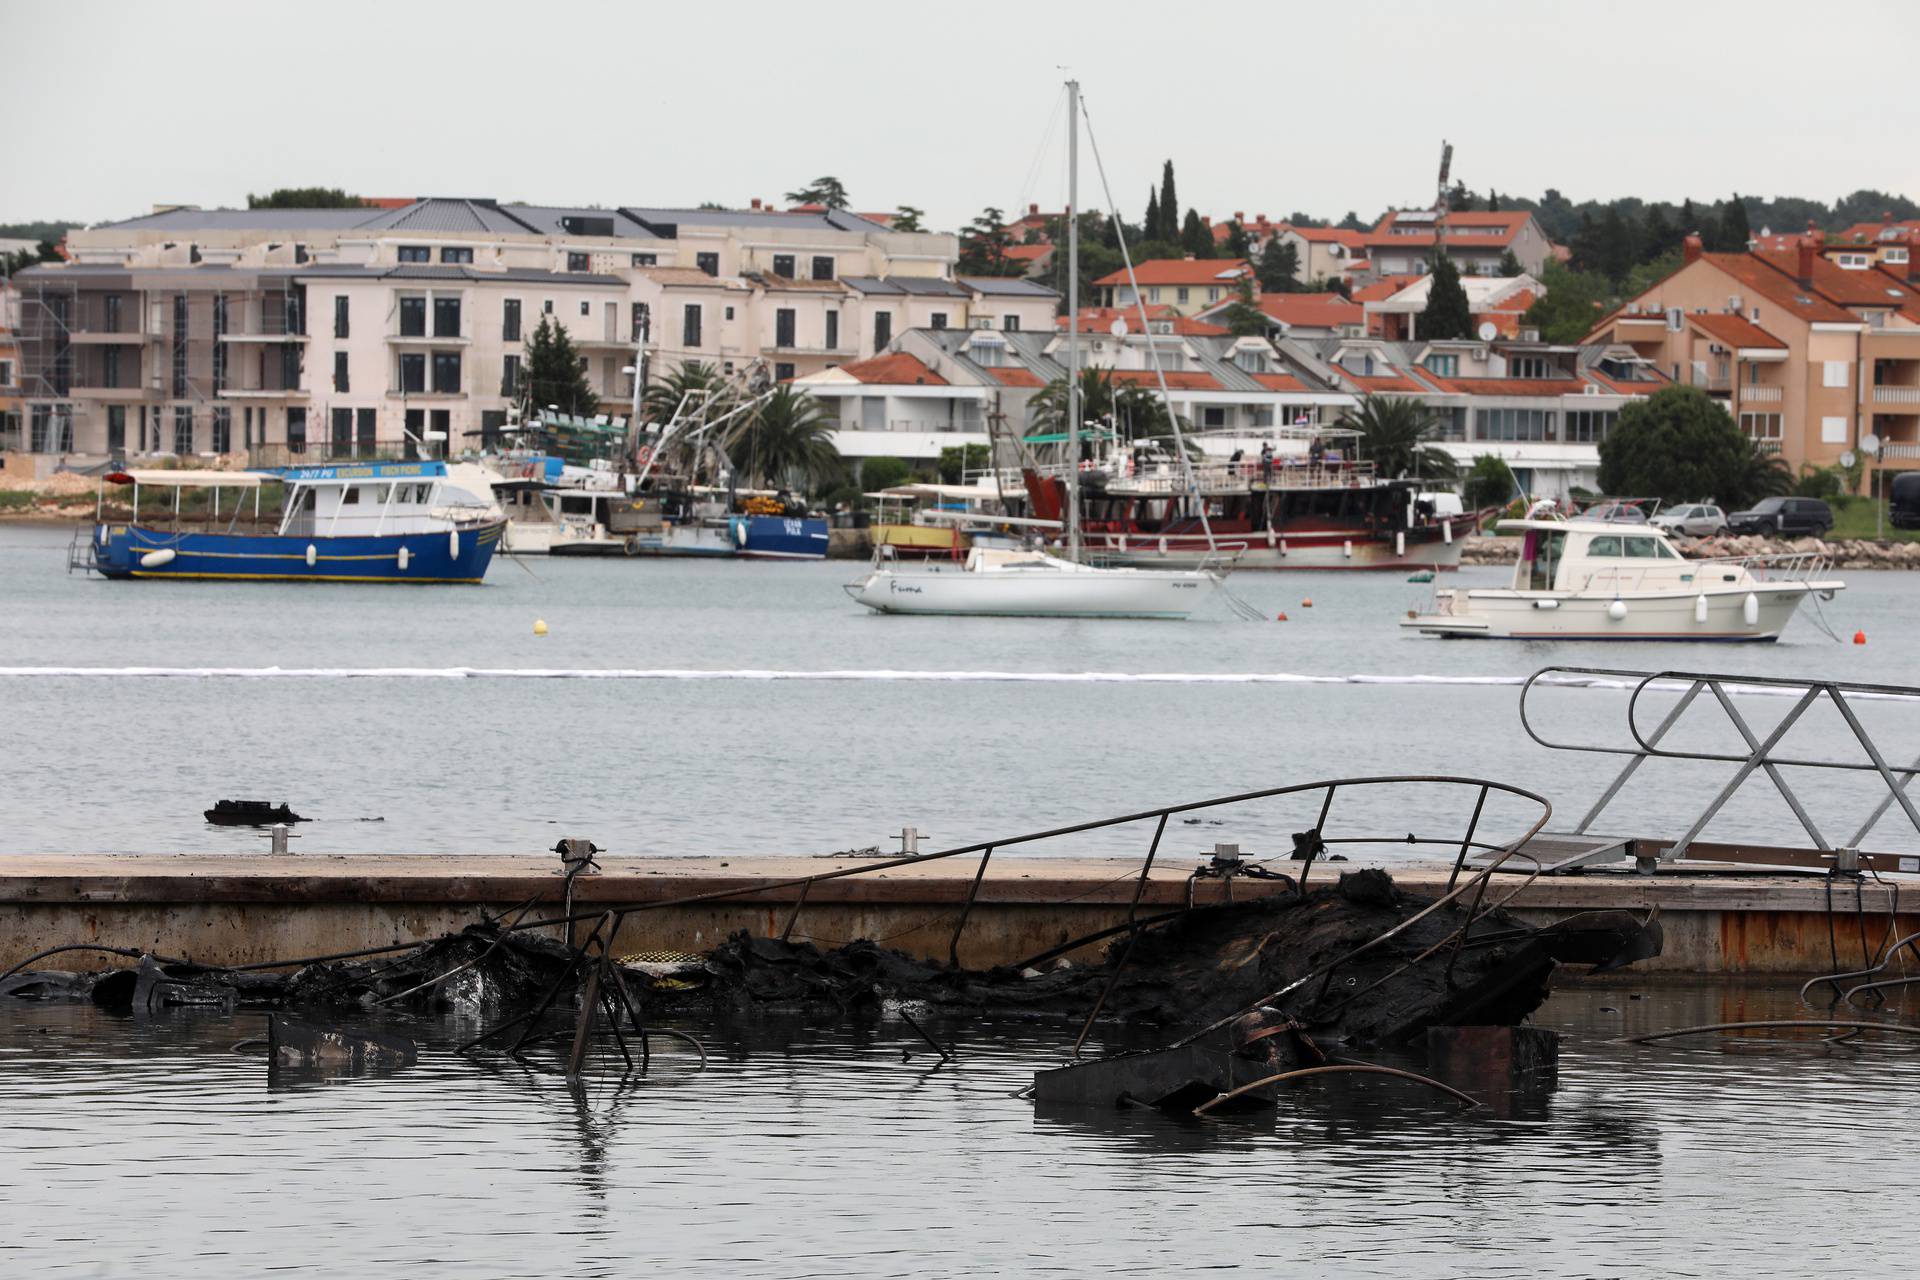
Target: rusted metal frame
pixel 1133 932
pixel 1753 762
pixel 1768 1023
pixel 1319 835
pixel 973 892
pixel 528 1020
pixel 1113 980
pixel 1301 1073
pixel 1146 869
pixel 1466 841
pixel 793 916
pixel 1894 790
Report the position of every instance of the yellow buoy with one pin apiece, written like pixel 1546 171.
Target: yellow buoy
pixel 539 626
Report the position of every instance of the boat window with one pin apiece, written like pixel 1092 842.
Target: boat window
pixel 1609 545
pixel 1546 560
pixel 350 495
pixel 1668 553
pixel 576 506
pixel 377 494
pixel 1641 548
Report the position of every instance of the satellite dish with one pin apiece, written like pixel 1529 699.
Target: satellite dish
pixel 1847 459
pixel 1487 331
pixel 1870 445
pixel 1118 328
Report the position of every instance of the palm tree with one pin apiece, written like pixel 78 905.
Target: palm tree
pixel 1134 411
pixel 1396 434
pixel 787 443
pixel 710 394
pixel 1761 475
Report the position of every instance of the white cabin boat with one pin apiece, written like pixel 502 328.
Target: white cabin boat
pixel 1602 580
pixel 1032 584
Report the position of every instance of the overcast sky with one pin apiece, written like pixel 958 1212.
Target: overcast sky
pixel 1319 107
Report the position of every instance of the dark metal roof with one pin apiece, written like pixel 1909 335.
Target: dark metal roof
pixel 919 286
pixel 1008 286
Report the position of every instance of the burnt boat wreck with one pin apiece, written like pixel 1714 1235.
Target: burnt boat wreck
pixel 1268 965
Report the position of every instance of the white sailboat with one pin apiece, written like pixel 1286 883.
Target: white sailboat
pixel 1037 584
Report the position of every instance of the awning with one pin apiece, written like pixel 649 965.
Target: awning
pixel 192 479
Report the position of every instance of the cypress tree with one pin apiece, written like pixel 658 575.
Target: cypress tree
pixel 1734 232
pixel 1150 229
pixel 1169 206
pixel 1447 314
pixel 1195 237
pixel 554 375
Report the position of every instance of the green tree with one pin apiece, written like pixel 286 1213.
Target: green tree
pixel 1616 254
pixel 1656 235
pixel 305 198
pixel 1169 228
pixel 1493 200
pixel 1243 317
pixel 1150 229
pixel 957 460
pixel 1397 435
pixel 12 264
pixel 1278 267
pixel 1195 236
pixel 1689 220
pixel 554 375
pixel 1489 483
pixel 1573 303
pixel 1734 232
pixel 1680 445
pixel 883 473
pixel 907 218
pixel 1648 274
pixel 1352 223
pixel 984 244
pixel 1510 265
pixel 38 232
pixel 1135 411
pixel 826 191
pixel 1237 244
pixel 1447 315
pixel 786 443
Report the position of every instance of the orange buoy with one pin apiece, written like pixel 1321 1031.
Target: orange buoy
pixel 1280 617
pixel 1859 637
pixel 1307 603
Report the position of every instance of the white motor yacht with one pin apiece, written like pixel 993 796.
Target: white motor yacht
pixel 1603 580
pixel 1032 584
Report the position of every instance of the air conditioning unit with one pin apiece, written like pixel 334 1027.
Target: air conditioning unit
pixel 1591 390
pixel 1735 303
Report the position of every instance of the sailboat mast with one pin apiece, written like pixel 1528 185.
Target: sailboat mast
pixel 1073 320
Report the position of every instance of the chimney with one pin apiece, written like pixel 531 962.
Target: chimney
pixel 1809 248
pixel 1239 216
pixel 1690 249
pixel 1033 209
pixel 756 202
pixel 1206 222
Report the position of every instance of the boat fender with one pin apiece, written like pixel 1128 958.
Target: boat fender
pixel 1750 609
pixel 632 545
pixel 740 533
pixel 313 555
pixel 404 556
pixel 1400 545
pixel 453 543
pixel 1700 608
pixel 1617 610
pixel 1446 532
pixel 1346 548
pixel 155 559
pixel 1283 547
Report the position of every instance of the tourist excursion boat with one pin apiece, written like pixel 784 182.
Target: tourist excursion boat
pixel 1585 579
pixel 359 522
pixel 1034 584
pixel 1312 504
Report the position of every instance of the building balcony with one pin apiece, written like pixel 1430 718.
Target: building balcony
pixel 429 339
pixel 274 338
pixel 1759 393
pixel 110 337
pixel 1907 396
pixel 798 349
pixel 1900 453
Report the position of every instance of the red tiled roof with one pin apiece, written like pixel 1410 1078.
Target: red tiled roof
pixel 1380 382
pixel 1177 379
pixel 1631 388
pixel 1382 289
pixel 1869 233
pixel 1100 320
pixel 1278 381
pixel 1220 271
pixel 1312 310
pixel 1026 252
pixel 1736 331
pixel 1782 290
pixel 1328 235
pixel 1848 288
pixel 1517 386
pixel 898 369
pixel 1509 225
pixel 1008 377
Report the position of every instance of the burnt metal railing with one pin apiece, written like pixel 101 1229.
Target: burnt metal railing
pixel 1762 752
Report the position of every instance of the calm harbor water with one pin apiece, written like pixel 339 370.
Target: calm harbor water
pixel 736 762
pixel 147 1147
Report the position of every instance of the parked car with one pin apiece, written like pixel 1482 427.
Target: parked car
pixel 1784 517
pixel 1620 512
pixel 1903 512
pixel 1696 520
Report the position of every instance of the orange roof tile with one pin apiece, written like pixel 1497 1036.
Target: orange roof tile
pixel 1009 377
pixel 1220 271
pixel 1328 235
pixel 1847 288
pixel 1736 331
pixel 1312 310
pixel 898 369
pixel 1517 386
pixel 1639 388
pixel 1508 226
pixel 1177 379
pixel 1100 320
pixel 1379 382
pixel 1383 288
pixel 1278 381
pixel 1779 288
pixel 1026 252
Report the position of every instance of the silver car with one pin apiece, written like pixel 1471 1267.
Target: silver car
pixel 1697 520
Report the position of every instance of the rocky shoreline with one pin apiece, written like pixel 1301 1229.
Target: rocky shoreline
pixel 1848 554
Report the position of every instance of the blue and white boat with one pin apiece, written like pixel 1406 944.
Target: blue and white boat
pixel 348 522
pixel 780 537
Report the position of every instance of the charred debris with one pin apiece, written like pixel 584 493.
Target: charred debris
pixel 1285 981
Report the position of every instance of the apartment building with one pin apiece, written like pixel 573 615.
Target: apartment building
pixel 1187 285
pixel 1405 240
pixel 10 420
pixel 1305 315
pixel 1497 304
pixel 348 332
pixel 1811 358
pixel 1324 253
pixel 1872 244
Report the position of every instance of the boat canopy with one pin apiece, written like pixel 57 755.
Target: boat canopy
pixel 188 479
pixel 956 492
pixel 356 472
pixel 1060 437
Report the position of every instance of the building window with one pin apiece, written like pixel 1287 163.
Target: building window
pixel 510 320
pixel 729 313
pixel 1447 366
pixel 1896 255
pixel 365 435
pixel 645 260
pixel 578 262
pixel 413 317
pixel 340 325
pixel 1010 323
pixel 547 306
pixel 446 373
pixel 219 347
pixel 707 262
pixel 1213 293
pixel 1526 367
pixel 823 268
pixel 1251 360
pixel 1833 431
pixel 783 265
pixel 415 253
pixel 1153 294
pixel 182 430
pixel 690 325
pixel 1452 420
pixel 341 438
pixel 340 372
pixel 1833 373
pixel 642 322
pixel 882 330
pixel 510 376
pixel 1213 415
pixel 289 367
pixel 1513 424
pixel 783 372
pixel 939 320
pixel 109 369
pixel 296 430
pixel 783 327
pixel 1762 427
pixel 1180 294
pixel 1589 426
pixel 116 428
pixel 442 420
pixel 446 317
pixel 113 309
pixel 416 426
pixel 456 257
pixel 179 345
pixel 833 330
pixel 413 372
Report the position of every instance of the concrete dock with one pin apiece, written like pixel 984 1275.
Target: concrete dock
pixel 238 909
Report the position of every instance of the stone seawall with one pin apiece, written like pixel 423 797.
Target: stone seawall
pixel 1856 553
